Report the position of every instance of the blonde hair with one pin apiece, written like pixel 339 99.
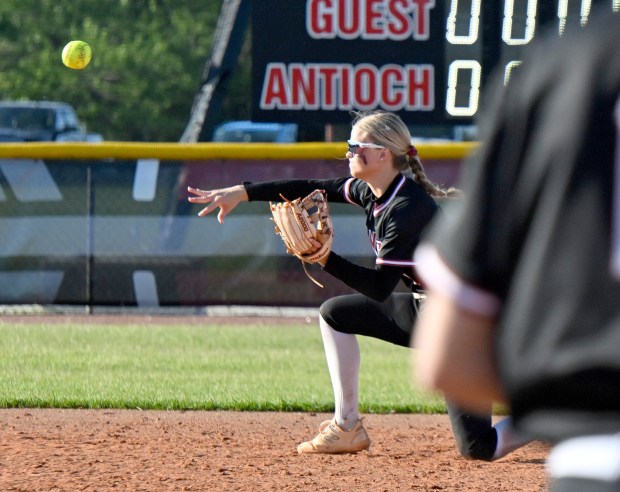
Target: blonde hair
pixel 389 131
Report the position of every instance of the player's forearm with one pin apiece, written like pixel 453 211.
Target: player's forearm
pixel 456 354
pixel 376 284
pixel 292 188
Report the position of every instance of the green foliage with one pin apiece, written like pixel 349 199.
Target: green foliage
pixel 207 367
pixel 148 61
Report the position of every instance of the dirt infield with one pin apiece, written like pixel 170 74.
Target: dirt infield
pixel 133 450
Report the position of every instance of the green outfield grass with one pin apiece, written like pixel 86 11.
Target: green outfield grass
pixel 279 368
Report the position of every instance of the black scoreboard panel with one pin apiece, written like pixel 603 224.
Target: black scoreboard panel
pixel 485 35
pixel 428 60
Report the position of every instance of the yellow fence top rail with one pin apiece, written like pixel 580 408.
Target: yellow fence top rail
pixel 208 150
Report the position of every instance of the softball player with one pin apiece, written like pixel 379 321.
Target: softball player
pixel 387 180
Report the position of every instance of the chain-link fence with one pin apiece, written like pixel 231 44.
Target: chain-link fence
pixel 121 233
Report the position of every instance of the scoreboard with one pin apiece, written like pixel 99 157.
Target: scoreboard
pixel 428 60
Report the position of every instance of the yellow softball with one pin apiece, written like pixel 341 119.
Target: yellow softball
pixel 76 54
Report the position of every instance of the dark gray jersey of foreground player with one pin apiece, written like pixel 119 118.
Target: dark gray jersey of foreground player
pixel 541 208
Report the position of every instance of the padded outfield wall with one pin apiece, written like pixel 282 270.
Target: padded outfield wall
pixel 108 224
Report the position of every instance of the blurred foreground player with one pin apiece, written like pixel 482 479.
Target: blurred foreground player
pixel 523 281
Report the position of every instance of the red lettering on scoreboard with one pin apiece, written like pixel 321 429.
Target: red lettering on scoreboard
pixel 328 86
pixel 369 19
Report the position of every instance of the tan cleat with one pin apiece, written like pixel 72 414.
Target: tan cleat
pixel 333 439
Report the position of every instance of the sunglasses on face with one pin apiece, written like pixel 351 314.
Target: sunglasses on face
pixel 354 147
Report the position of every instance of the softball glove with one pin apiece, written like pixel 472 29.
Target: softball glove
pixel 305 227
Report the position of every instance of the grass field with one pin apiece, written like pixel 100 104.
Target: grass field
pixel 214 367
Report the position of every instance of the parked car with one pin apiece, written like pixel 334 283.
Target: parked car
pixel 42 121
pixel 250 131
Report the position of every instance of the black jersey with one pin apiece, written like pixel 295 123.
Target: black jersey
pixel 394 221
pixel 538 232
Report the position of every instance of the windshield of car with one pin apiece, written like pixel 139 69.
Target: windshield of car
pixel 245 136
pixel 27 118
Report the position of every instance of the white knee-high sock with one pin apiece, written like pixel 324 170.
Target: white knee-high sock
pixel 343 361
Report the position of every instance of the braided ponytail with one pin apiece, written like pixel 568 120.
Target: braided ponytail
pixel 419 176
pixel 411 165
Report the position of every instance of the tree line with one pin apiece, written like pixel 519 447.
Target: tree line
pixel 147 65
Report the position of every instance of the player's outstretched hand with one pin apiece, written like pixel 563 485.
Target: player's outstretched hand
pixel 225 198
